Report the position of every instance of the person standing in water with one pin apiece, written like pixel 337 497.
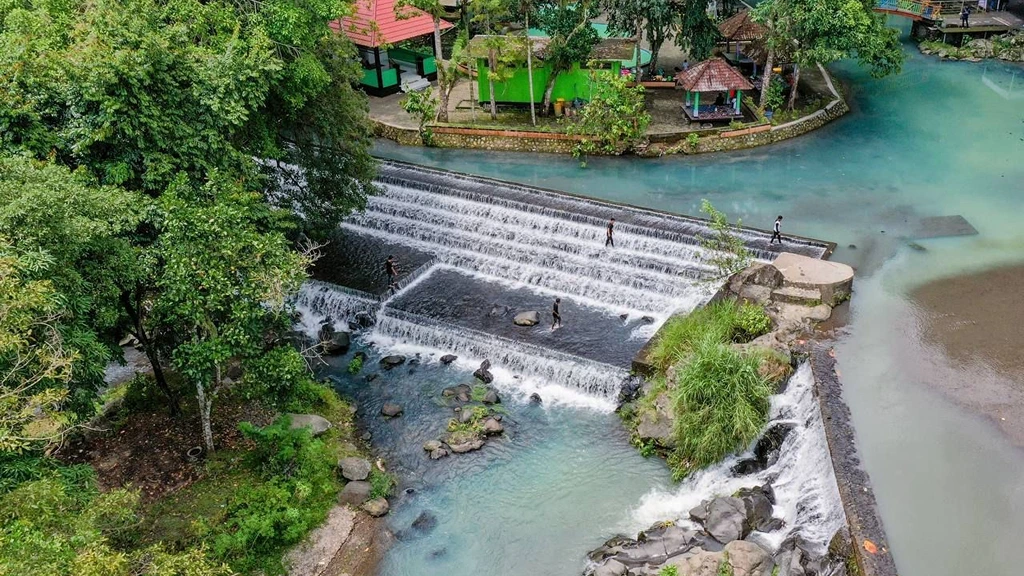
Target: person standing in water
pixel 556 318
pixel 391 269
pixel 777 234
pixel 609 241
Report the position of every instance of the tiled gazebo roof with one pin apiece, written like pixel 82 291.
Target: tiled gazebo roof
pixel 375 22
pixel 714 75
pixel 740 27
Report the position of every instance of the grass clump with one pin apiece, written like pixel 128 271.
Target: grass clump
pixel 723 322
pixel 670 570
pixel 382 484
pixel 720 401
pixel 355 365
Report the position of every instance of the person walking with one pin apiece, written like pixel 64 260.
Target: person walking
pixel 609 241
pixel 777 234
pixel 391 269
pixel 556 318
pixel 965 16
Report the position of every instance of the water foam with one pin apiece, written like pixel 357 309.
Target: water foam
pixel 807 497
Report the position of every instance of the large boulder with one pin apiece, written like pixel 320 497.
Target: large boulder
pixel 491 397
pixel 766 450
pixel 391 410
pixel 726 519
pixel 355 493
pixel 748 559
pixel 656 423
pixel 448 359
pixel 376 507
pixel 832 281
pixel 758 508
pixel 492 427
pixel 528 318
pixel 316 424
pixel 353 468
pixel 483 375
pixel 467 445
pixel 338 344
pixel 392 361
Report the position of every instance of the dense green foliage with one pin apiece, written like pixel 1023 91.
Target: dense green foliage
pixel 567 24
pixel 697 32
pixel 654 18
pixel 724 322
pixel 720 400
pixel 613 121
pixel 138 91
pixel 54 522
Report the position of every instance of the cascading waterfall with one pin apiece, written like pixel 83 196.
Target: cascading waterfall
pixel 807 497
pixel 317 301
pixel 526 360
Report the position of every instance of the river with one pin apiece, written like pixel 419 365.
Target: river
pixel 939 139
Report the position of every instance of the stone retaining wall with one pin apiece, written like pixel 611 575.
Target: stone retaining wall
pixel 854 484
pixel 720 140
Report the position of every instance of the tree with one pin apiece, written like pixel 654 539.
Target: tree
pixel 36 365
pixel 85 231
pixel 822 32
pixel 726 251
pixel 445 74
pixel 614 120
pixel 138 91
pixel 504 53
pixel 526 8
pixel 224 283
pixel 567 24
pixel 656 18
pixel 697 32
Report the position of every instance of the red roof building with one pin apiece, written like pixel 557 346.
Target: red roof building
pixel 375 22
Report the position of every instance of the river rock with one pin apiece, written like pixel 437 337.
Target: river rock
pixel 630 390
pixel 492 427
pixel 483 375
pixel 439 453
pixel 364 319
pixel 431 445
pixel 499 310
pixel 392 361
pixel 766 450
pixel 337 344
pixel 748 559
pixel 448 359
pixel 372 377
pixel 611 568
pixel 355 493
pixel 376 507
pixel 466 415
pixel 658 423
pixel 535 398
pixel 353 468
pixel 758 508
pixel 467 446
pixel 316 424
pixel 391 410
pixel 491 397
pixel 528 318
pixel 726 520
pixel 425 522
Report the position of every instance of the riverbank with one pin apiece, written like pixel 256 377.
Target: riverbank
pixel 1007 47
pixel 820 103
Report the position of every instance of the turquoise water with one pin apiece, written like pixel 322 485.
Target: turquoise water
pixel 939 139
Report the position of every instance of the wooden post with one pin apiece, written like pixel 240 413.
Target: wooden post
pixel 696 104
pixel 380 76
pixel 687 97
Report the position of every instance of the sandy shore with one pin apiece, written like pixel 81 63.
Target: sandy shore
pixel 977 321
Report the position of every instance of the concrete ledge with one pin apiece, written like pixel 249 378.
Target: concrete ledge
pixel 854 484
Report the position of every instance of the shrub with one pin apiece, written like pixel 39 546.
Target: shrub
pixel 721 404
pixel 382 484
pixel 262 520
pixel 692 139
pixel 356 365
pixel 274 374
pixel 677 337
pixel 670 570
pixel 751 321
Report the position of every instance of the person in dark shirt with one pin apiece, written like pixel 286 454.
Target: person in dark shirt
pixel 556 318
pixel 965 15
pixel 391 269
pixel 609 241
pixel 777 234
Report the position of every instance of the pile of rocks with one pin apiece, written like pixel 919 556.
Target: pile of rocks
pixel 358 490
pixel 727 537
pixel 1008 47
pixel 475 419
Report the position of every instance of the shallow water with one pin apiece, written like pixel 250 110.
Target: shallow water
pixel 939 139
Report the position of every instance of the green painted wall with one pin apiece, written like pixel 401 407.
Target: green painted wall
pixel 575 83
pixel 390 77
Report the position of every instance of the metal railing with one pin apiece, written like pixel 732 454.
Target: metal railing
pixel 926 9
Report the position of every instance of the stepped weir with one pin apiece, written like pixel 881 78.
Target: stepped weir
pixel 474 251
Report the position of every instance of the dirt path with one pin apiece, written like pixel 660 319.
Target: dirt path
pixel 978 322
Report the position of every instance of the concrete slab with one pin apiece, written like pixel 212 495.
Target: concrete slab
pixel 943 226
pixel 832 280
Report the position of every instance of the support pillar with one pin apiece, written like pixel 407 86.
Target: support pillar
pixel 739 98
pixel 696 104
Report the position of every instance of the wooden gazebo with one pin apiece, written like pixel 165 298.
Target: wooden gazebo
pixel 741 29
pixel 376 28
pixel 713 76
